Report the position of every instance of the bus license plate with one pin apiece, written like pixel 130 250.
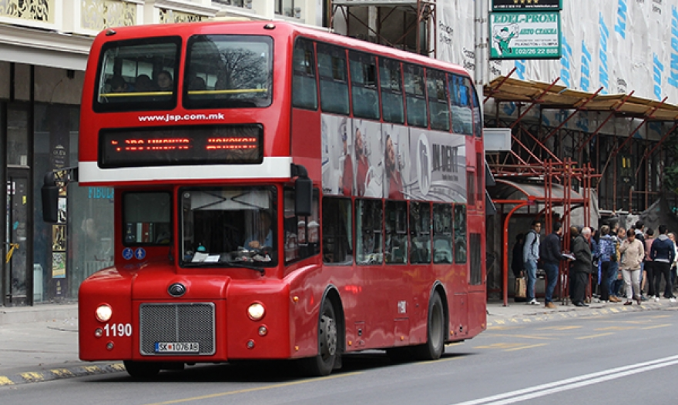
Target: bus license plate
pixel 177 347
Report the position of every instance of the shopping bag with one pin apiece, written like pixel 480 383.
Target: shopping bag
pixel 520 288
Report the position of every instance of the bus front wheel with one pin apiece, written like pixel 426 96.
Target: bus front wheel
pixel 435 335
pixel 328 344
pixel 141 370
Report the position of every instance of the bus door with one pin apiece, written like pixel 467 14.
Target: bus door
pixel 15 260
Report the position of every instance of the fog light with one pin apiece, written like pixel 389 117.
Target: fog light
pixel 263 331
pixel 103 313
pixel 99 332
pixel 256 311
pixel 250 344
pixel 109 345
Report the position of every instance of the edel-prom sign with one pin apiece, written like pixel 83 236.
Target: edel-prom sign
pixel 525 35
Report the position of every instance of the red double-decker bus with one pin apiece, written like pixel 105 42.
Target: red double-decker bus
pixel 280 193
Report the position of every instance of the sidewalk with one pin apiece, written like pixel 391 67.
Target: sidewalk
pixel 40 343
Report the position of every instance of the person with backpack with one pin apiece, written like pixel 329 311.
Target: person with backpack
pixel 663 253
pixel 550 256
pixel 530 258
pixel 608 264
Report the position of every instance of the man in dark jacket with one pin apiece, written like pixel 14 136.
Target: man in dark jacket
pixel 582 266
pixel 663 253
pixel 551 256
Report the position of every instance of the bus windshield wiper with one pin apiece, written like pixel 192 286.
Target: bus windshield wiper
pixel 231 263
pixel 226 263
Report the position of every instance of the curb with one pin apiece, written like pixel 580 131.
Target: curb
pixel 568 311
pixel 60 374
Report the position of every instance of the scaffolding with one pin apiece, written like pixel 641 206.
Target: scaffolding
pixel 403 24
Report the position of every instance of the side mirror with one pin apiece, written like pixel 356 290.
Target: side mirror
pixel 50 199
pixel 303 204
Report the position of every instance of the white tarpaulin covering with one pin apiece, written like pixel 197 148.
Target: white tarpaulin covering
pixel 620 45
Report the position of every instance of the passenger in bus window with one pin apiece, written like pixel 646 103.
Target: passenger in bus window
pixel 165 82
pixel 263 236
pixel 143 83
pixel 197 83
pixel 395 182
pixel 363 164
pixel 118 84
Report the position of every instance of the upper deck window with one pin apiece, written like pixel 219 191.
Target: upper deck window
pixel 391 91
pixel 333 79
pixel 138 75
pixel 364 85
pixel 228 71
pixel 415 96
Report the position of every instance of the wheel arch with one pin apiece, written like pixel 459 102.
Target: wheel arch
pixel 331 293
pixel 439 288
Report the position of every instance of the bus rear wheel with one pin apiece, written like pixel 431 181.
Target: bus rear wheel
pixel 435 335
pixel 141 370
pixel 328 344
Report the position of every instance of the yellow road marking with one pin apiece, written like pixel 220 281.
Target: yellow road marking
pixel 525 347
pixel 32 376
pixel 523 336
pixel 248 390
pixel 561 327
pixel 616 328
pixel 62 372
pixel 5 381
pixel 657 326
pixel 594 336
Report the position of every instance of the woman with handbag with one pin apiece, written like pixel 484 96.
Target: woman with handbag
pixel 633 253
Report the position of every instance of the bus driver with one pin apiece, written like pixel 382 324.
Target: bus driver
pixel 263 236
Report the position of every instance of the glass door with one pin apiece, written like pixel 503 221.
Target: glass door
pixel 16 281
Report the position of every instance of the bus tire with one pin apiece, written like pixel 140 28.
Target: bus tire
pixel 328 344
pixel 435 331
pixel 141 370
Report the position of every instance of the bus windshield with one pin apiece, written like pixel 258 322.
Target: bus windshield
pixel 228 225
pixel 138 75
pixel 228 71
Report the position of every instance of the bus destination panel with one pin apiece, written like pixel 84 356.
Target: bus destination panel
pixel 186 145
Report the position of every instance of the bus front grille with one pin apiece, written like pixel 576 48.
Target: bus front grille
pixel 176 323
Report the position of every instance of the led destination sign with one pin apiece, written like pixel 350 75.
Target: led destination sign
pixel 230 144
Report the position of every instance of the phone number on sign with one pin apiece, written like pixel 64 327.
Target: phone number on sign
pixel 536 51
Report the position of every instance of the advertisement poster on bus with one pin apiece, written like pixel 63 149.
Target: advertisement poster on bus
pixel 336 149
pixel 369 158
pixel 397 161
pixel 438 169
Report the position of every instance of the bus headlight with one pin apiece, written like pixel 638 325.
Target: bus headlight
pixel 256 311
pixel 104 313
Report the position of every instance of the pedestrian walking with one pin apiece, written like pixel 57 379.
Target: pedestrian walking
pixel 530 258
pixel 663 253
pixel 632 254
pixel 607 246
pixel 582 266
pixel 551 255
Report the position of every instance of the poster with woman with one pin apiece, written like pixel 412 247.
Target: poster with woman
pixel 397 161
pixel 337 163
pixel 369 158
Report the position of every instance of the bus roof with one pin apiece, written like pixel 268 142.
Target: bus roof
pixel 291 29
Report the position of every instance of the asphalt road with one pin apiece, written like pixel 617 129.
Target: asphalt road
pixel 606 359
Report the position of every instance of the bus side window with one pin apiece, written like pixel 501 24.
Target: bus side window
pixel 415 96
pixel 364 85
pixel 304 88
pixel 395 214
pixel 442 233
pixel 301 233
pixel 420 232
pixel 368 214
pixel 333 79
pixel 459 233
pixel 391 91
pixel 460 104
pixel 477 115
pixel 437 100
pixel 337 230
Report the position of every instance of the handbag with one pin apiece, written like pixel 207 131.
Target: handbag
pixel 520 288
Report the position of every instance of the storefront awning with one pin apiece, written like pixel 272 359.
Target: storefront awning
pixel 509 190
